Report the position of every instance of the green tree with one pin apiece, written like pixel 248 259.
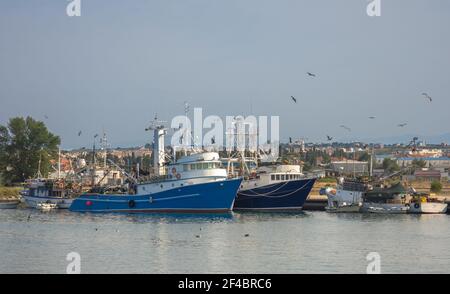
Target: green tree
pixel 436 186
pixel 23 144
pixel 419 163
pixel 390 165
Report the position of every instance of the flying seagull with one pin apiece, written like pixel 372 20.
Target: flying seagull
pixel 311 74
pixel 347 128
pixel 427 96
pixel 329 138
pixel 293 98
pixel 372 117
pixel 402 125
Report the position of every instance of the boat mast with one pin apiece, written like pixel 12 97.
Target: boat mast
pixel 159 156
pixel 94 163
pixel 59 162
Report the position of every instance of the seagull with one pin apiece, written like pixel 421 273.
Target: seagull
pixel 293 98
pixel 402 125
pixel 372 117
pixel 427 96
pixel 347 128
pixel 247 235
pixel 329 138
pixel 311 74
pixel 79 133
pixel 290 140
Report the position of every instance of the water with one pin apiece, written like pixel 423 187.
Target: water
pixel 308 242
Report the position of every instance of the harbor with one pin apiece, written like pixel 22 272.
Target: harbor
pixel 224 137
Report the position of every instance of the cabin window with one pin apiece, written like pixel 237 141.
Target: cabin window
pixel 278 177
pixel 205 165
pixel 272 177
pixel 282 177
pixel 193 166
pixel 186 167
pixel 199 166
pixel 210 165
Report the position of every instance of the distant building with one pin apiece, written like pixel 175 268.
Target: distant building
pixel 434 162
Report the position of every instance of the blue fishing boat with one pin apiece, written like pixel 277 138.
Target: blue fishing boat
pixel 196 183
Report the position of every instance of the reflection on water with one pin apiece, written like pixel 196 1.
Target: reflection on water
pixel 305 242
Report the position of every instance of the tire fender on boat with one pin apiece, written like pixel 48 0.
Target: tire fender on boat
pixel 131 203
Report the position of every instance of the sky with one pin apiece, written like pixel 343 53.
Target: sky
pixel 120 62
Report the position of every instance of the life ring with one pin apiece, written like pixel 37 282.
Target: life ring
pixel 178 176
pixel 131 203
pixel 174 170
pixel 417 205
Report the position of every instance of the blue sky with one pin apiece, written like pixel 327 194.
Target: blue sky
pixel 121 62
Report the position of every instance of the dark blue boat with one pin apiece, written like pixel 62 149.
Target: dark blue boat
pixel 282 196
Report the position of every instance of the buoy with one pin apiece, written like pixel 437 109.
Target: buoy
pixel 178 176
pixel 88 203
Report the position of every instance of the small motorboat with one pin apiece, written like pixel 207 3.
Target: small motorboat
pixel 422 203
pixel 9 204
pixel 46 206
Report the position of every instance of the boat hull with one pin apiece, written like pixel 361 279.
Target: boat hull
pixel 343 209
pixel 283 196
pixel 9 204
pixel 33 201
pixel 211 197
pixel 428 208
pixel 384 208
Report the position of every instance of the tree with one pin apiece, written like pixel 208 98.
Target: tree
pixel 24 145
pixel 390 165
pixel 436 186
pixel 419 163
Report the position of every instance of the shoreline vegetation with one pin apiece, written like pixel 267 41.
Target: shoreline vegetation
pixel 10 192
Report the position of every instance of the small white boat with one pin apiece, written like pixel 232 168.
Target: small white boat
pixel 424 204
pixel 46 191
pixel 46 206
pixel 9 204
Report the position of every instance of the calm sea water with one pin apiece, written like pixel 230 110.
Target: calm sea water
pixel 308 242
